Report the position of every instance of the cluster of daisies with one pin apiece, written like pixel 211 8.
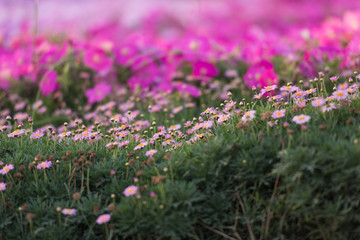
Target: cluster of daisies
pixel 130 132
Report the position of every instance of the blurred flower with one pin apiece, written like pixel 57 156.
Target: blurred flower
pixel 318 102
pixel 98 93
pixel 151 152
pixel 68 211
pixel 260 75
pixel 340 94
pixel 2 186
pixel 48 83
pixel 278 113
pixel 6 168
pixel 44 165
pixel 97 60
pixel 301 119
pixel 16 133
pixel 36 135
pixel 104 218
pixel 130 190
pixel 248 116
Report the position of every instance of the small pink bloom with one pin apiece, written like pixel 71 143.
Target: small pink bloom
pixel 248 116
pixel 68 211
pixel 98 93
pixel 130 190
pixel 48 83
pixel 260 75
pixel 301 119
pixel 104 218
pixel 36 135
pixel 2 186
pixel 340 94
pixel 318 102
pixel 97 60
pixel 150 153
pixel 6 169
pixel 44 165
pixel 278 113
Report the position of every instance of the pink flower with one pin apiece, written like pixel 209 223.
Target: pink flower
pixel 298 94
pixel 2 186
pixel 44 165
pixel 98 93
pixel 6 168
pixel 130 190
pixel 328 107
pixel 278 113
pixel 268 89
pixel 204 69
pixel 68 211
pixel 48 83
pixel 301 119
pixel 272 123
pixel 207 124
pixel 16 133
pixel 248 116
pixel 174 127
pixel 97 60
pixel 104 218
pixel 289 88
pixel 140 145
pixel 152 194
pixel 124 143
pixel 187 88
pixel 222 118
pixel 3 128
pixel 260 75
pixel 340 94
pixel 334 78
pixel 112 172
pixel 318 102
pixel 150 153
pixel 36 135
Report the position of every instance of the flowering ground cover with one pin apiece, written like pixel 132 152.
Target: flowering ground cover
pixel 172 131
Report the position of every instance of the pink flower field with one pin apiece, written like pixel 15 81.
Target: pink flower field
pixel 154 119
